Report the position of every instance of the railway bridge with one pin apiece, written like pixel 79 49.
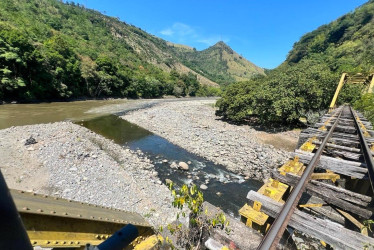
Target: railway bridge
pixel 324 191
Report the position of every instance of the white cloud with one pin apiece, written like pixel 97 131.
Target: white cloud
pixel 183 33
pixel 167 32
pixel 179 30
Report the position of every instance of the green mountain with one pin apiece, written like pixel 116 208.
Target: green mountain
pixel 53 50
pixel 218 63
pixel 346 44
pixel 305 83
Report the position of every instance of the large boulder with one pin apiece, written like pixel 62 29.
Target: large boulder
pixel 182 165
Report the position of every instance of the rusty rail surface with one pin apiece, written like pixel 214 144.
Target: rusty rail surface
pixel 365 148
pixel 273 236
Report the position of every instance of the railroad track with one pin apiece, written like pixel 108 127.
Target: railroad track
pixel 325 191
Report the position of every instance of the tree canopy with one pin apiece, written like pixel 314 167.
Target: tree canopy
pixel 306 81
pixel 55 50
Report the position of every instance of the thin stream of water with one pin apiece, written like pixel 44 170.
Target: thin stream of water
pixel 225 189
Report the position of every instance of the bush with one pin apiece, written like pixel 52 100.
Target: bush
pixel 208 91
pixel 285 95
pixel 366 105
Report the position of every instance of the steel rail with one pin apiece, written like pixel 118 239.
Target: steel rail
pixel 273 236
pixel 365 149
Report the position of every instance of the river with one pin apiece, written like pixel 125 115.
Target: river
pixel 225 189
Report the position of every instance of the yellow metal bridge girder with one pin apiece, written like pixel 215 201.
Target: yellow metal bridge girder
pixel 355 79
pixel 371 86
pixel 340 85
pixel 54 222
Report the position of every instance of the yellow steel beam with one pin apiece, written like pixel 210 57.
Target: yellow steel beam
pixel 371 86
pixel 354 221
pixel 340 85
pixel 311 205
pixel 149 243
pixel 55 222
pixel 325 176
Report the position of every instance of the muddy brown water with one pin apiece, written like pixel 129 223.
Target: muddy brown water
pixel 27 114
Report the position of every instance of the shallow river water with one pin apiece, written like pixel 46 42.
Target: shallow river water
pixel 225 189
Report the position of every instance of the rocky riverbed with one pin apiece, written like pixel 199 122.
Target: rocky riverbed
pixel 69 161
pixel 193 125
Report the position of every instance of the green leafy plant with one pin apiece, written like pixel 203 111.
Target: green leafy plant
pixel 366 105
pixel 200 224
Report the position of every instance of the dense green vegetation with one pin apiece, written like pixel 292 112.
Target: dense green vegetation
pixel 306 81
pixel 366 105
pixel 51 50
pixel 219 63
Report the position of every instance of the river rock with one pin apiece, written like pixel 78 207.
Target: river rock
pixel 30 141
pixel 168 181
pixel 203 187
pixel 173 165
pixel 182 165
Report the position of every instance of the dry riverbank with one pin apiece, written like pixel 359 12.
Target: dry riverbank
pixel 72 162
pixel 193 125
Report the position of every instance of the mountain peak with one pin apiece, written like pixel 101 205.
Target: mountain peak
pixel 221 44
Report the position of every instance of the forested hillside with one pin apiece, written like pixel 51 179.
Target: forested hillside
pixel 219 63
pixel 52 50
pixel 306 81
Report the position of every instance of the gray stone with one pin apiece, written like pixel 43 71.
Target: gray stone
pixel 182 165
pixel 173 165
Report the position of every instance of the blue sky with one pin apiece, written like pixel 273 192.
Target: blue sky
pixel 263 31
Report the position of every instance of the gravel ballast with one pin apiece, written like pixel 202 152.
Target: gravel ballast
pixel 72 162
pixel 194 126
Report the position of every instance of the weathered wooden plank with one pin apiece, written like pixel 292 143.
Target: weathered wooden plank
pixel 344 154
pixel 347 136
pixel 342 193
pixel 349 168
pixel 350 137
pixel 346 129
pixel 330 145
pixel 331 197
pixel 366 123
pixel 324 211
pixel 344 142
pixel 330 232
